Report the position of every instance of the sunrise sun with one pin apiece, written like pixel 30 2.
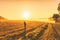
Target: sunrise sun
pixel 26 15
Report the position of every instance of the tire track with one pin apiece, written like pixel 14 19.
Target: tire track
pixel 56 33
pixel 20 34
pixel 41 33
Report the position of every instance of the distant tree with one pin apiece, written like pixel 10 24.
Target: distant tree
pixel 55 16
pixel 2 18
pixel 58 8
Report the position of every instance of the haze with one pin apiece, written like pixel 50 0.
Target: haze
pixel 13 9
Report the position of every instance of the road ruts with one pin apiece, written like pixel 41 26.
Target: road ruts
pixel 15 35
pixel 56 28
pixel 48 34
pixel 41 32
pixel 52 33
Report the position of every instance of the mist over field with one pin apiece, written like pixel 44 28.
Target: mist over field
pixel 28 30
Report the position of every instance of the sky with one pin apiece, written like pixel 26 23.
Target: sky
pixel 13 9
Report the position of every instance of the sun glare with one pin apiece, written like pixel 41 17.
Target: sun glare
pixel 26 15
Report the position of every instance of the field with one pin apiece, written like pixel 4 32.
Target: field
pixel 35 30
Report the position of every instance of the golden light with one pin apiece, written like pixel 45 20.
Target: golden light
pixel 26 15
